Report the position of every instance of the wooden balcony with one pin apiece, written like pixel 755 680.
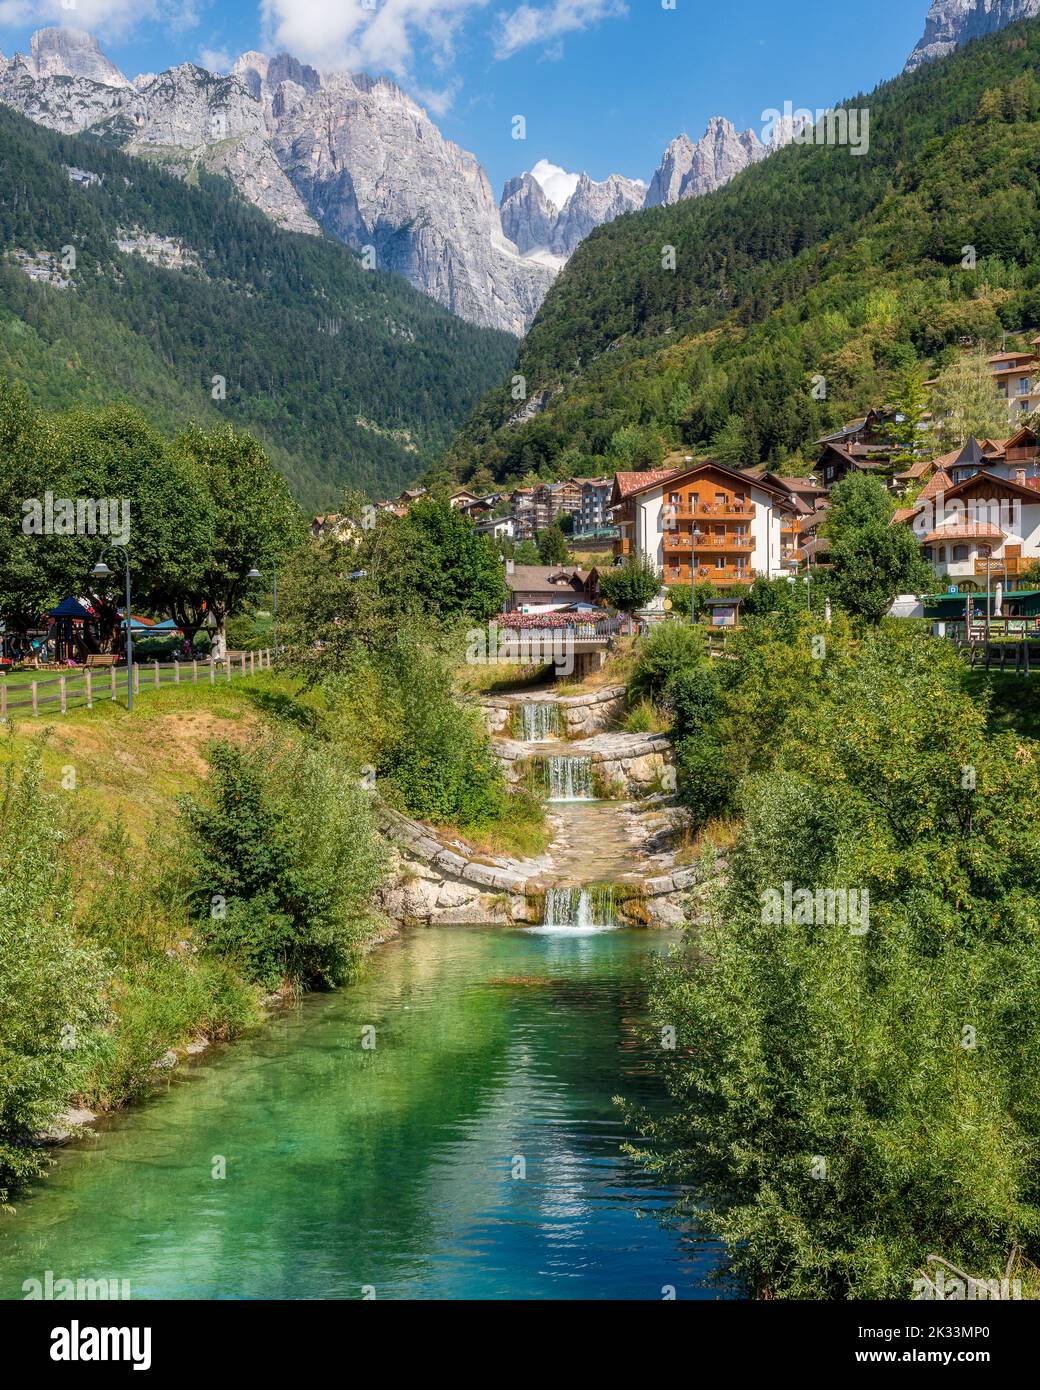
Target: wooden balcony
pixel 735 545
pixel 1011 566
pixel 713 509
pixel 708 574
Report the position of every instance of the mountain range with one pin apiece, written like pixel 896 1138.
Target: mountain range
pixel 815 269
pixel 951 23
pixel 122 282
pixel 357 158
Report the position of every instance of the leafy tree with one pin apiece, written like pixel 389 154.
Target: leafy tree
pixel 858 500
pixel 283 861
pixel 630 586
pixel 552 546
pixel 450 570
pixel 965 403
pixel 872 564
pixel 254 524
pixel 527 554
pixel 112 456
pixel 834 1117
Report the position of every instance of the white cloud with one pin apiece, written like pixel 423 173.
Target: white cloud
pixel 216 59
pixel 347 34
pixel 557 184
pixel 547 24
pixel 111 18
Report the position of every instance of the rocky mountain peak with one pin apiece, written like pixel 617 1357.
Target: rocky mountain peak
pixel 72 53
pixel 689 170
pixel 538 227
pixel 950 23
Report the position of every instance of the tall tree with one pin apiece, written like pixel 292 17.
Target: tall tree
pixel 552 546
pixel 871 564
pixel 911 406
pixel 965 403
pixel 255 524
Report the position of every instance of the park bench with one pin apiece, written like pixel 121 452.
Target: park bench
pixel 96 659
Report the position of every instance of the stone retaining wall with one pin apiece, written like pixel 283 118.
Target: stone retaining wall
pixel 580 715
pixel 446 883
pixel 624 765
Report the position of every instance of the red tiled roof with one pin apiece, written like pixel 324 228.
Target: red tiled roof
pixel 964 531
pixel 627 483
pixel 940 481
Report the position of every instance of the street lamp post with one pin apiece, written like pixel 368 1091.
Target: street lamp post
pixel 696 536
pixel 254 573
pixel 102 571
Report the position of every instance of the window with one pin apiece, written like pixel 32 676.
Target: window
pixel 720 562
pixel 960 554
pixel 1023 386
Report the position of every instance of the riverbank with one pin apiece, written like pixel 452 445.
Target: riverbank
pixel 120 779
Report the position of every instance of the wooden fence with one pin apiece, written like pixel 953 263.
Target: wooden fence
pixel 80 688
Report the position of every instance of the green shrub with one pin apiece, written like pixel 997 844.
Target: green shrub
pixel 701 782
pixel 52 1008
pixel 670 648
pixel 283 861
pixel 158 1004
pixel 439 765
pixel 693 696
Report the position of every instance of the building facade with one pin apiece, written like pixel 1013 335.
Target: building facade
pixel 709 521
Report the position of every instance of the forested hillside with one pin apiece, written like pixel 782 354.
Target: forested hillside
pixel 816 263
pixel 308 342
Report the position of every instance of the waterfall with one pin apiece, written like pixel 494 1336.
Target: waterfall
pixel 568 779
pixel 579 909
pixel 539 722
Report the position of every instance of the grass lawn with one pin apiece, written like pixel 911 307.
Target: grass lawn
pixel 135 766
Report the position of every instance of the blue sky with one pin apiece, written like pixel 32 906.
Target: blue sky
pixel 603 84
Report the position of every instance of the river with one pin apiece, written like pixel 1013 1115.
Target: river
pixel 473 1152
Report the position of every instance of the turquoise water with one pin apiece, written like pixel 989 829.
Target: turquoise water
pixel 496 1052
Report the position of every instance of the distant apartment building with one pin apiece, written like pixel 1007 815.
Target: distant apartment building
pixel 1017 378
pixel 554 500
pixel 522 502
pixel 593 505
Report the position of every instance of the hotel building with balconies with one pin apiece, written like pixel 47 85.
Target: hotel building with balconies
pixel 708 519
